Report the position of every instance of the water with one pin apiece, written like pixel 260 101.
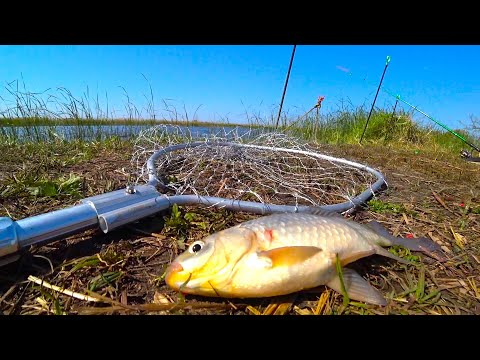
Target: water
pixel 99 132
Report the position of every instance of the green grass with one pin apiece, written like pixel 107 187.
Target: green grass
pixel 379 206
pixel 37 169
pixel 52 114
pixel 42 187
pixel 61 186
pixel 404 253
pixel 346 127
pixel 177 224
pixel 28 117
pixel 104 279
pixel 339 128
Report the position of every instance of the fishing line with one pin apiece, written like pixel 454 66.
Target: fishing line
pixel 399 98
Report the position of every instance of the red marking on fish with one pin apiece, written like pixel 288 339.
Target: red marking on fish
pixel 269 234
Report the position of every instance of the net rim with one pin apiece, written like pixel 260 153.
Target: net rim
pixel 361 198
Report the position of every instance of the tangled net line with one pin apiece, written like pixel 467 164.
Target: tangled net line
pixel 268 175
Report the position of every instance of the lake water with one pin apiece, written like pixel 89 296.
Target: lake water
pixel 94 132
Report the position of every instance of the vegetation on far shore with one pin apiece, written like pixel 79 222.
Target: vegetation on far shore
pixel 343 127
pixel 27 116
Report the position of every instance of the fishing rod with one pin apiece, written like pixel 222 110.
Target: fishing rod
pixel 473 146
pixel 374 100
pixel 285 86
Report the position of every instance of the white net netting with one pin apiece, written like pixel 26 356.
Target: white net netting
pixel 273 173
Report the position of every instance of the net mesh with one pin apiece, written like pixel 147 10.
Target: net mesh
pixel 273 175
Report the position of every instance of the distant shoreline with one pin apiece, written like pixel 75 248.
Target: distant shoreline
pixel 14 122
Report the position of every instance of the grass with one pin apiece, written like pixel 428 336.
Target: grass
pixel 380 207
pixel 339 128
pixel 58 114
pixel 52 114
pixel 404 253
pixel 42 170
pixel 346 126
pixel 36 175
pixel 127 267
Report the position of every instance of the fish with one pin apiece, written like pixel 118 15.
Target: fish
pixel 285 253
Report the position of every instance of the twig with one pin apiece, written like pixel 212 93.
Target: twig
pixel 322 301
pixel 19 299
pixel 476 259
pixel 155 253
pixel 8 212
pixel 101 260
pixel 60 290
pixel 9 291
pixel 439 199
pixel 143 232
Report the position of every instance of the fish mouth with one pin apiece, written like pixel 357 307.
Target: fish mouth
pixel 176 277
pixel 179 279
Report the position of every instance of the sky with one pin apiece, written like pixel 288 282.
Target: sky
pixel 235 82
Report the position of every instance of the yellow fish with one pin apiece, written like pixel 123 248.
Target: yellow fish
pixel 285 253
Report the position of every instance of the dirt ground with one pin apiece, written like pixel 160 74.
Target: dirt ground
pixel 433 194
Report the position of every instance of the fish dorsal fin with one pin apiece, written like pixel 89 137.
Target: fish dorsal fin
pixel 289 255
pixel 322 212
pixel 357 288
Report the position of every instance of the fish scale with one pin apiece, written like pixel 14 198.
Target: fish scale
pixel 330 234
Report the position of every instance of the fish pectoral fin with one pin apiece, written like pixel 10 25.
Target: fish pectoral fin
pixel 289 255
pixel 357 288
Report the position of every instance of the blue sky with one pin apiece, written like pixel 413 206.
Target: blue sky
pixel 228 81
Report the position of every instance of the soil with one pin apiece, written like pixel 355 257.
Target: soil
pixel 435 194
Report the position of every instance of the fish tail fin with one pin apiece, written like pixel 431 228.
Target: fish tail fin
pixel 421 244
pixel 357 288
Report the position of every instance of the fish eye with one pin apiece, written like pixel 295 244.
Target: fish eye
pixel 196 247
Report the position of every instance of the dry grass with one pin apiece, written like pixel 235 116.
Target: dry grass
pixel 430 194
